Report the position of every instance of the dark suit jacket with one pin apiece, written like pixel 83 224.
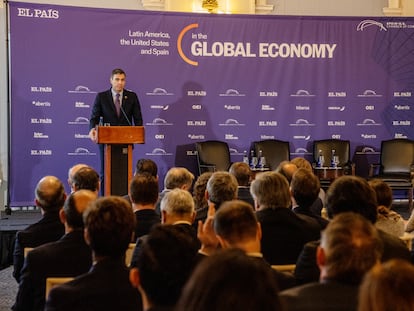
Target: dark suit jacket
pixel 68 257
pixel 243 193
pixel 105 287
pixel 145 220
pixel 306 211
pixel 47 229
pixel 104 106
pixel 308 271
pixel 325 296
pixel 284 233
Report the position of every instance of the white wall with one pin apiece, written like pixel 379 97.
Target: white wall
pixel 281 7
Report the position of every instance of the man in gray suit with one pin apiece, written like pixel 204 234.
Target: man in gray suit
pixel 349 247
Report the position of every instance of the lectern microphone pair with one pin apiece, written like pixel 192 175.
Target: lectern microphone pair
pixel 118 141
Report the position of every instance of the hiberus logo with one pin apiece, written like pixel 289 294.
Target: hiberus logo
pixel 38 13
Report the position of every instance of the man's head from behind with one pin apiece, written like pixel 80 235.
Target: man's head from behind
pixel 221 187
pixel 236 225
pixel 178 177
pixel 351 194
pixel 71 173
pixel 304 187
pixel 164 264
pixel 177 205
pixel 350 246
pixel 50 194
pixel 146 166
pixel 270 190
pixel 109 223
pixel 242 172
pixel 143 189
pixel 74 207
pixel 86 178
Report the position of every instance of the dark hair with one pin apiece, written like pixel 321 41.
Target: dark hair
pixel 351 194
pixel 199 190
pixel 109 222
pixel 146 166
pixel 76 203
pixel 86 178
pixel 165 262
pixel 50 193
pixel 143 189
pixel 118 71
pixel 382 191
pixel 242 172
pixel 235 221
pixel 305 187
pixel 230 280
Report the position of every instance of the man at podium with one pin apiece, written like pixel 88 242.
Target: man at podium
pixel 117 107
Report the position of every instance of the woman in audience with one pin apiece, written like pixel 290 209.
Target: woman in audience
pixel 230 280
pixel 387 220
pixel 199 190
pixel 388 287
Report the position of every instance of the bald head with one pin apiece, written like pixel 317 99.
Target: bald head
pixel 75 205
pixel 50 194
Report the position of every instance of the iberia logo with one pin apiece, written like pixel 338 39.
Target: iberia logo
pixel 179 44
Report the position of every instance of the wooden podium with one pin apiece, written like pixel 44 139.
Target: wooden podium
pixel 118 141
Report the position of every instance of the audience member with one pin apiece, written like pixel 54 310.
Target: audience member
pixel 387 220
pixel 176 177
pixel 109 224
pixel 165 262
pixel 243 174
pixel 236 226
pixel 348 194
pixel 72 172
pixel 230 280
pixel 388 287
pixel 304 188
pixel 317 206
pixel 177 208
pixel 146 166
pixel 221 187
pixel 199 191
pixel 50 197
pixel 349 247
pixel 68 257
pixel 284 232
pixel 143 192
pixel 86 178
pixel 286 168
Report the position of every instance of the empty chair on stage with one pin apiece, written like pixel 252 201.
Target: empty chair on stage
pixel 274 151
pixel 212 155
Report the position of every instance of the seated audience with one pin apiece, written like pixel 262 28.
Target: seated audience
pixel 68 257
pixel 387 220
pixel 86 178
pixel 199 191
pixel 388 287
pixel 50 197
pixel 284 232
pixel 348 194
pixel 230 280
pixel 143 193
pixel 109 224
pixel 146 166
pixel 72 172
pixel 349 247
pixel 165 262
pixel 243 174
pixel 304 188
pixel 286 168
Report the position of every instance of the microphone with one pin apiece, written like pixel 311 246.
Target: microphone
pixel 123 112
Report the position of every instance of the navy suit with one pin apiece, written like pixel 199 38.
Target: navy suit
pixel 47 229
pixel 130 114
pixel 105 287
pixel 68 257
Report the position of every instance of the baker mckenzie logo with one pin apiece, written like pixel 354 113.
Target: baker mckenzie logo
pixel 200 46
pixel 37 13
pixel 370 23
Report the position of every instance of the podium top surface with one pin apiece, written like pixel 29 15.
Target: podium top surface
pixel 121 134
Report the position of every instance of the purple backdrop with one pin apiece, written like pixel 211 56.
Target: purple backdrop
pixel 235 78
